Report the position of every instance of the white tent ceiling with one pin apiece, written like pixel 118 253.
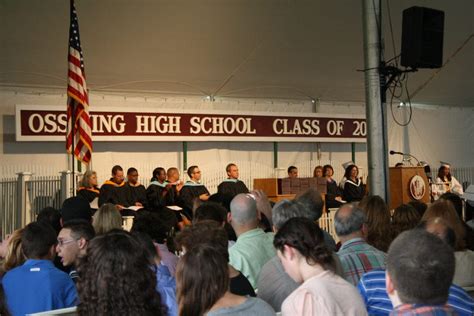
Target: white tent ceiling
pixel 241 48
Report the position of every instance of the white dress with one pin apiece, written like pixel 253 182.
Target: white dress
pixel 440 187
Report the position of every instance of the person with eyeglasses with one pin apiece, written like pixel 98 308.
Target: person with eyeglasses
pixel 73 240
pixel 37 285
pixel 193 190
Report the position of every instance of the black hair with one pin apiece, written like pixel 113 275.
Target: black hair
pixel 347 172
pixel 156 173
pixel 131 170
pixel 210 211
pixel 441 175
pixel 51 216
pixel 156 225
pixel 80 229
pixel 326 168
pixel 190 170
pixel 37 239
pixel 291 168
pixel 115 169
pixel 306 237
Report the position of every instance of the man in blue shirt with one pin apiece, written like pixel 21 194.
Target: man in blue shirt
pixel 38 286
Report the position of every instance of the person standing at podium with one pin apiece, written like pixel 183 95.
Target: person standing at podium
pixel 445 182
pixel 353 188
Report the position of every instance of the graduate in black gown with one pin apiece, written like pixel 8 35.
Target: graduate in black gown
pixel 353 188
pixel 232 185
pixel 192 190
pixel 333 193
pixel 88 188
pixel 114 191
pixel 157 193
pixel 136 191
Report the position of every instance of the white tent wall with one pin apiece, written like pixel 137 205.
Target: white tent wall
pixel 430 137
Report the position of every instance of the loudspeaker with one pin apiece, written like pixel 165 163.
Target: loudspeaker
pixel 422 38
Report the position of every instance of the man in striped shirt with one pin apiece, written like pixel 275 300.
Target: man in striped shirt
pixel 357 257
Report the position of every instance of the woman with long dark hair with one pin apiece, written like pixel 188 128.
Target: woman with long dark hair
pixel 353 188
pixel 333 194
pixel 305 257
pixel 378 222
pixel 445 182
pixel 116 278
pixel 202 278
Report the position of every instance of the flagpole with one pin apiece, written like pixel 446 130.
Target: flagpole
pixel 73 119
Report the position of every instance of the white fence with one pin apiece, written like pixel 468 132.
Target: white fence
pixel 23 196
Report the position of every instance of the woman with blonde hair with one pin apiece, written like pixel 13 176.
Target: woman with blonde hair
pixel 464 272
pixel 14 256
pixel 106 218
pixel 88 188
pixel 378 222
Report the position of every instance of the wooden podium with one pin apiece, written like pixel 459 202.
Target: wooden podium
pixel 404 190
pixel 279 189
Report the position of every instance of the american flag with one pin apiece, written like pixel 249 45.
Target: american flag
pixel 79 133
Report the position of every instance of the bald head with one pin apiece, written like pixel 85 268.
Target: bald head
pixel 172 174
pixel 349 220
pixel 243 209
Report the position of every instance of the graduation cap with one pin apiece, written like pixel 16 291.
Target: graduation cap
pixel 347 164
pixel 445 164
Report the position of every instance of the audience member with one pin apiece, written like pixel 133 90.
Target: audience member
pixel 116 278
pixel 165 282
pixel 72 243
pixel 75 208
pixel 419 206
pixel 333 194
pixel 274 284
pixel 253 247
pixel 159 227
pixel 292 172
pixel 3 304
pixel 88 188
pixel 211 232
pixel 420 270
pixel 13 256
pixel 356 255
pixel 353 188
pixel 106 218
pixel 306 259
pixel 38 286
pixel 458 206
pixel 374 292
pixel 203 286
pixel 215 212
pixel 51 216
pixel 405 217
pixel 464 274
pixel 232 185
pixel 378 222
pixel 312 200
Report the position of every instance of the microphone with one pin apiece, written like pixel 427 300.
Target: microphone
pixel 396 153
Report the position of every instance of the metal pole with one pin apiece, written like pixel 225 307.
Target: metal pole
pixel 275 155
pixel 376 116
pixel 185 156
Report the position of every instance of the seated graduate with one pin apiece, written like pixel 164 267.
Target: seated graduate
pixel 193 189
pixel 88 188
pixel 333 195
pixel 353 188
pixel 445 182
pixel 136 191
pixel 157 193
pixel 113 190
pixel 232 185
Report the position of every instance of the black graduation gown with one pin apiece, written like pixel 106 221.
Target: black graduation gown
pixel 113 193
pixel 353 191
pixel 136 194
pixel 232 187
pixel 158 195
pixel 332 192
pixel 88 194
pixel 188 193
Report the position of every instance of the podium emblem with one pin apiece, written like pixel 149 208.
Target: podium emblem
pixel 417 187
